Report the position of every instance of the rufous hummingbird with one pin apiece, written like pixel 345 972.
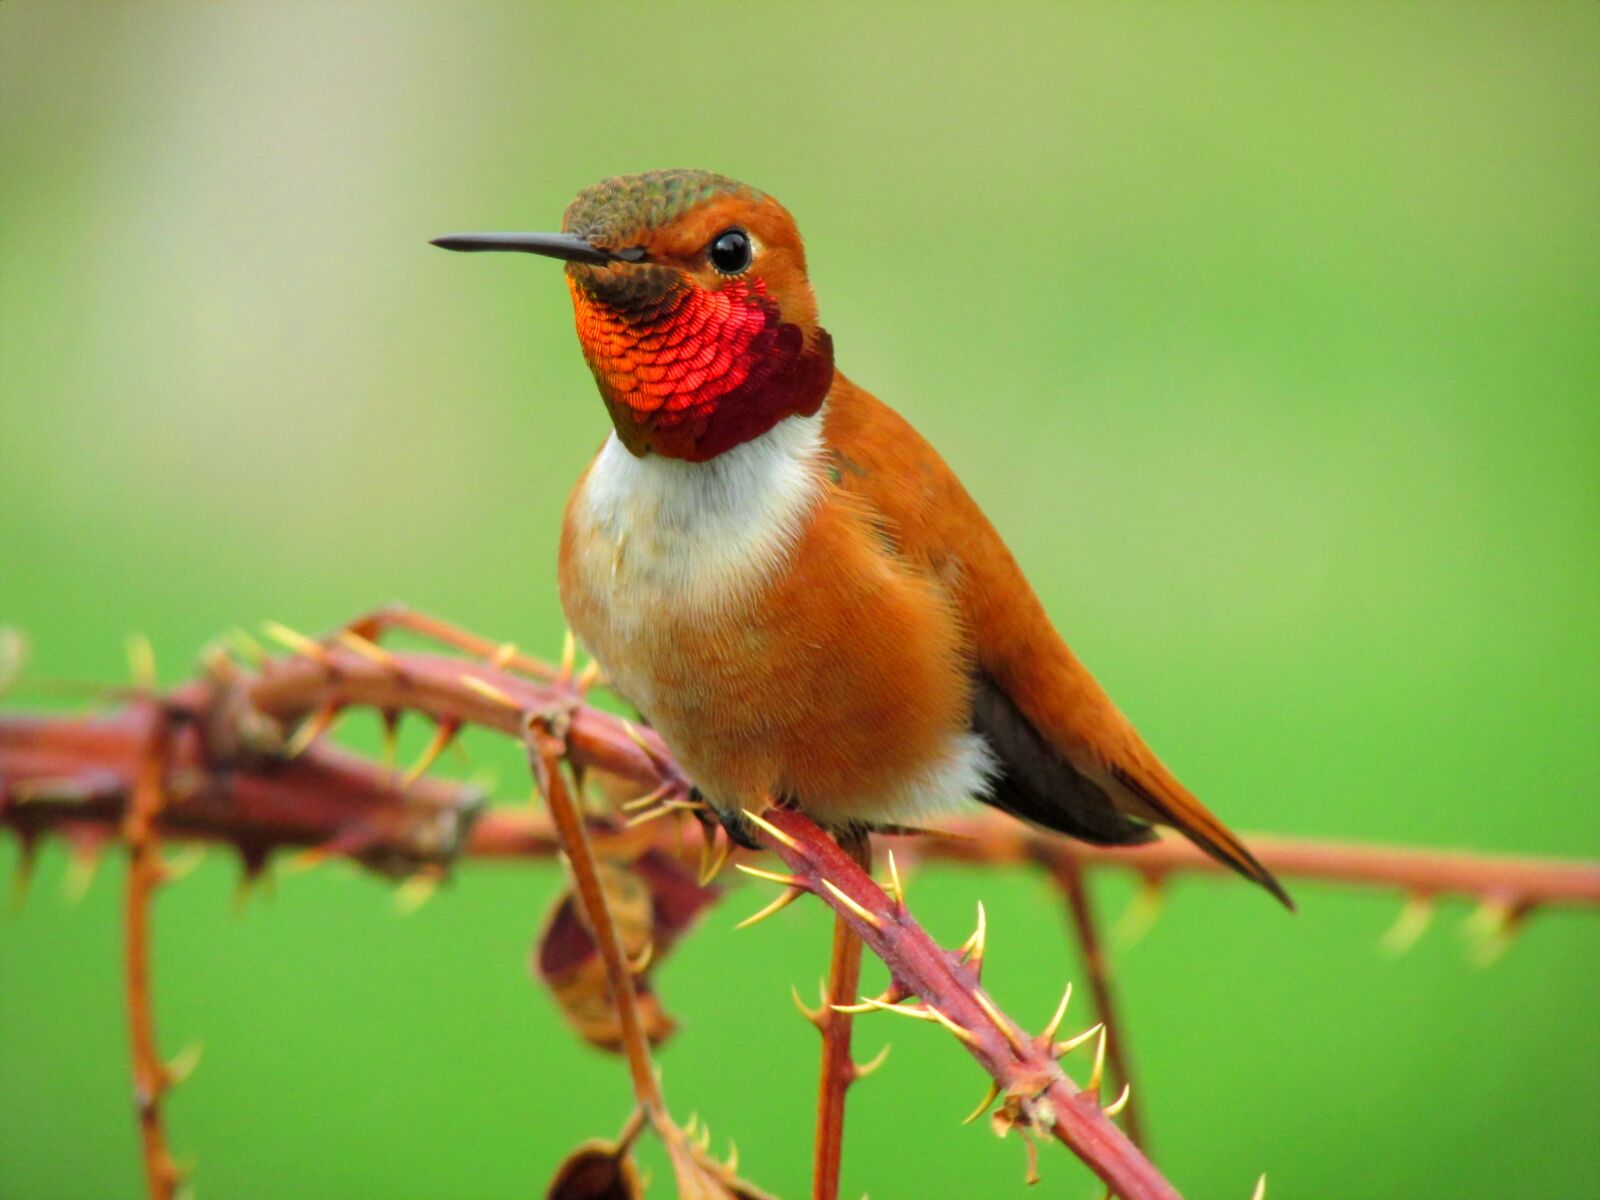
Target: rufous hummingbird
pixel 784 577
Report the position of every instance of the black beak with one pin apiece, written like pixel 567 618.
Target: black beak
pixel 568 247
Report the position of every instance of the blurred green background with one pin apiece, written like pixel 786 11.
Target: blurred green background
pixel 1266 334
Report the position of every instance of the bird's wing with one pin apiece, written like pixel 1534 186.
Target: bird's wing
pixel 1070 760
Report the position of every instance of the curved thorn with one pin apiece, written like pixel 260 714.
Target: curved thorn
pixel 771 830
pixel 182 1066
pixel 917 1011
pixel 647 800
pixel 503 655
pixel 367 649
pixel 489 692
pixel 995 1015
pixel 415 892
pixel 1099 1069
pixel 965 1035
pixel 442 737
pixel 866 914
pixel 989 1098
pixel 975 945
pixel 1060 1015
pixel 1409 926
pixel 862 1070
pixel 894 882
pixel 1067 1047
pixel 295 641
pixel 142 662
pixel 638 966
pixel 569 656
pixel 313 727
pixel 793 881
pixel 814 1016
pixel 1140 915
pixel 252 651
pixel 713 857
pixel 785 898
pixel 1121 1102
pixel 1261 1188
pixel 733 1158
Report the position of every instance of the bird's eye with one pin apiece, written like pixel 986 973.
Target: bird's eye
pixel 730 251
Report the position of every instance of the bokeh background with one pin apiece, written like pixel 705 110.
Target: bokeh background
pixel 1266 334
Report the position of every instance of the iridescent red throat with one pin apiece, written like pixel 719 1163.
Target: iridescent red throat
pixel 690 373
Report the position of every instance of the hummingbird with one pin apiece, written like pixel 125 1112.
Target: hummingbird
pixel 784 578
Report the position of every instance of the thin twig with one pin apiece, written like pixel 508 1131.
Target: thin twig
pixel 1069 876
pixel 838 1068
pixel 151 1077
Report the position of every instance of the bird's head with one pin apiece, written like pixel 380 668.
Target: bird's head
pixel 693 308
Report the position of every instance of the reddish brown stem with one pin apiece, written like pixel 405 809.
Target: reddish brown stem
pixel 546 751
pixel 1038 1095
pixel 150 1075
pixel 838 1068
pixel 1069 876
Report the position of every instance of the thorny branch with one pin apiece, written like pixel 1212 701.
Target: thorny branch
pixel 243 760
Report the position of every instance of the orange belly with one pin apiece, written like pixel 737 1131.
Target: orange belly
pixel 803 660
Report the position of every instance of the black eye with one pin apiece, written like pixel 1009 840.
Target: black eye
pixel 730 251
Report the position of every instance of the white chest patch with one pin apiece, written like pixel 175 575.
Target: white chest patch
pixel 696 536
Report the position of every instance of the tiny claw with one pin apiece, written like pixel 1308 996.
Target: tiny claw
pixel 1060 1014
pixel 862 1070
pixel 771 830
pixel 714 853
pixel 785 898
pixel 989 1097
pixel 866 914
pixel 1062 1049
pixel 1121 1102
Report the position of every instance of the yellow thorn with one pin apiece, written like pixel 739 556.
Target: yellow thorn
pixel 313 727
pixel 184 862
pixel 638 966
pixel 989 1098
pixel 1049 1033
pixel 489 692
pixel 251 650
pixel 894 882
pixel 81 869
pixel 569 656
pixel 588 677
pixel 295 641
pixel 1261 1188
pixel 733 1158
pixel 963 1034
pixel 1062 1049
pixel 181 1067
pixel 772 830
pixel 692 1125
pixel 999 1019
pixel 644 818
pixel 367 649
pixel 866 914
pixel 503 655
pixel 1121 1102
pixel 770 876
pixel 1409 926
pixel 13 656
pixel 862 1070
pixel 142 662
pixel 713 857
pixel 814 1015
pixel 1138 918
pixel 975 945
pixel 647 799
pixel 442 737
pixel 308 859
pixel 1097 1073
pixel 415 892
pixel 920 1013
